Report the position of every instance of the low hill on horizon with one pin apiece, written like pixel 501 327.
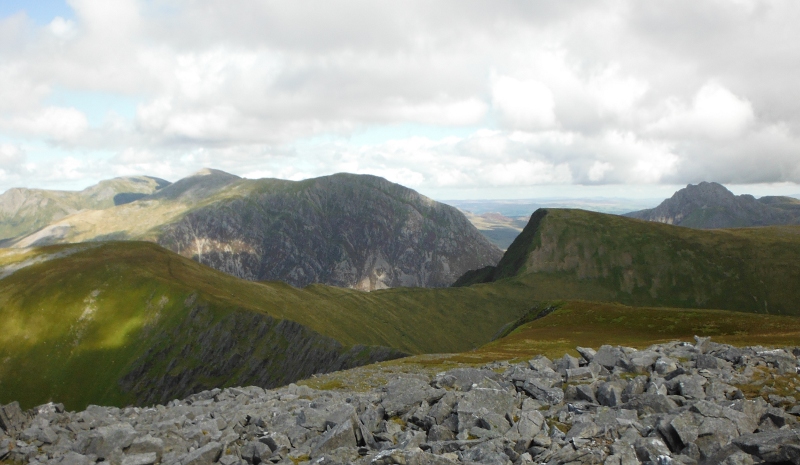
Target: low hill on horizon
pixel 709 205
pixel 345 230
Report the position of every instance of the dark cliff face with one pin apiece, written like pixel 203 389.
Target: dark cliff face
pixel 242 348
pixel 709 205
pixel 345 230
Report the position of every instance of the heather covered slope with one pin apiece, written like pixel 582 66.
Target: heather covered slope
pixel 709 205
pixel 575 254
pixel 345 230
pixel 123 322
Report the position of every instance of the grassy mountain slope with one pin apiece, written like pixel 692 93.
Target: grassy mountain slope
pixel 24 211
pixel 569 324
pixel 346 230
pixel 575 254
pixel 122 322
pixel 592 324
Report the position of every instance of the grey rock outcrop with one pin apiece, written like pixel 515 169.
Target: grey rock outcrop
pixel 465 415
pixel 709 205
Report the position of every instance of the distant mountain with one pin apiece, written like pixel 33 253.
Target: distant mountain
pixel 346 230
pixel 709 205
pixel 576 254
pixel 23 211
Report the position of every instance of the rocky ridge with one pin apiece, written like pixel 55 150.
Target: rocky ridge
pixel 709 205
pixel 673 403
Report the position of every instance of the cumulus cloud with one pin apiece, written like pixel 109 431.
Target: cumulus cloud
pixel 62 28
pixel 51 123
pixel 532 93
pixel 715 113
pixel 11 156
pixel 525 104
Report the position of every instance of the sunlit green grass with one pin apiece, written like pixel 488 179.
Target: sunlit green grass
pixel 592 324
pixel 73 325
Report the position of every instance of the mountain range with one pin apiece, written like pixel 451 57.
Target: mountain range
pixel 132 322
pixel 23 211
pixel 710 205
pixel 346 230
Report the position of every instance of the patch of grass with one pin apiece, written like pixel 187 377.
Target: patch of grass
pixel 563 427
pixel 768 381
pixel 326 385
pixel 300 459
pixel 592 324
pixel 400 422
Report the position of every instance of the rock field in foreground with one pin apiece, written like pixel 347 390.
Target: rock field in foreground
pixel 675 403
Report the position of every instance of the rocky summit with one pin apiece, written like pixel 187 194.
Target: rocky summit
pixel 710 205
pixel 673 403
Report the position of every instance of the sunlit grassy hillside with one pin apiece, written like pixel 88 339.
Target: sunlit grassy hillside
pixel 78 318
pixel 569 324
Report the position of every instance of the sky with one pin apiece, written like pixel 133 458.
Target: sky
pixel 458 99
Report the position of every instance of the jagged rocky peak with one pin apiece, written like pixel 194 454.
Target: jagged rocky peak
pixel 709 205
pixel 712 193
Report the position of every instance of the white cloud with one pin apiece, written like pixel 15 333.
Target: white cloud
pixel 52 123
pixel 598 170
pixel 524 172
pixel 62 28
pixel 614 93
pixel 11 156
pixel 442 111
pixel 523 104
pixel 607 91
pixel 715 113
pixel 109 19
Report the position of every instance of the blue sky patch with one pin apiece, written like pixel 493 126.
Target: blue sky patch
pixel 41 11
pixel 95 105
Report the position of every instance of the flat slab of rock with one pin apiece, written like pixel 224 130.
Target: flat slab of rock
pixel 402 394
